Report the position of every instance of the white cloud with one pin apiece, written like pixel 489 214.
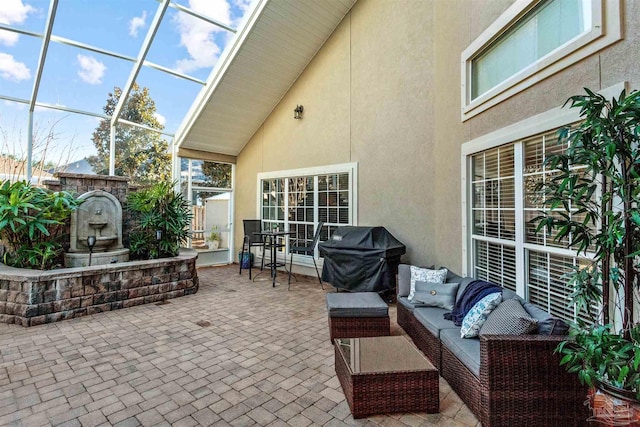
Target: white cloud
pixel 91 70
pixel 11 69
pixel 13 12
pixel 136 23
pixel 160 118
pixel 243 5
pixel 8 38
pixel 197 35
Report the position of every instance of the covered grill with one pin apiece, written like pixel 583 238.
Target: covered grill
pixel 361 259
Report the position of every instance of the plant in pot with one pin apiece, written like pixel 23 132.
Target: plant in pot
pixel 592 201
pixel 161 219
pixel 213 240
pixel 32 224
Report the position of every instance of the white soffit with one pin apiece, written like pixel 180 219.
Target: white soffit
pixel 270 51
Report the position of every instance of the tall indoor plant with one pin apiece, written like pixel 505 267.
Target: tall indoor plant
pixel 597 179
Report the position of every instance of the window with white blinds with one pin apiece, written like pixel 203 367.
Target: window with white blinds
pixel 504 243
pixel 297 201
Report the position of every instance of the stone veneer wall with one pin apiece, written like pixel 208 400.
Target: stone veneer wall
pixel 79 184
pixel 34 297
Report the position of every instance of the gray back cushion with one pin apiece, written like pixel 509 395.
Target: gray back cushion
pixel 404 280
pixel 547 324
pixel 464 282
pixel 509 294
pixel 451 276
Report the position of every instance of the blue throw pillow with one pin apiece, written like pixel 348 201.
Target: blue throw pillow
pixel 475 318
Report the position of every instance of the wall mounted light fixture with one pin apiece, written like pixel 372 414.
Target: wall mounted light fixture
pixel 297 112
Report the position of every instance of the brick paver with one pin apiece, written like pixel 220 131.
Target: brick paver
pixel 236 353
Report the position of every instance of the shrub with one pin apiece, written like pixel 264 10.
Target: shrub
pixel 158 211
pixel 32 224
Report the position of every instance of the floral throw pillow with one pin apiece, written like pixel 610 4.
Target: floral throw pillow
pixel 476 317
pixel 425 275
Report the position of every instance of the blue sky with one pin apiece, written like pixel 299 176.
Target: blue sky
pixel 81 79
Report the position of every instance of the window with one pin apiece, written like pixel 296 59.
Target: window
pixel 503 240
pixel 298 200
pixel 208 187
pixel 532 40
pixel 500 173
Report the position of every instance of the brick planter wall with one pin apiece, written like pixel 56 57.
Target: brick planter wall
pixel 33 297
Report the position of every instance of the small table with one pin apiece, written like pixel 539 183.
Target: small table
pixel 273 237
pixel 382 375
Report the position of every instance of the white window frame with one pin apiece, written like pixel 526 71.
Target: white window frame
pixel 177 171
pixel 350 168
pixel 524 129
pixel 606 29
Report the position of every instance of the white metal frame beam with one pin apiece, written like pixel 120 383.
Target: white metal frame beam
pixel 146 45
pixel 53 7
pixel 138 62
pixel 201 16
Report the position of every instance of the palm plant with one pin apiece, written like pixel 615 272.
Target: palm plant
pixel 161 219
pixel 593 200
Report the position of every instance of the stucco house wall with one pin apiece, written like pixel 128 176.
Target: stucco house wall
pixel 384 91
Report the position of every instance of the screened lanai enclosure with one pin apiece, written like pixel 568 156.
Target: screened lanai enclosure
pixel 96 87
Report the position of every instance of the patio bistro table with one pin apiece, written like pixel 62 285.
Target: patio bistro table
pixel 274 245
pixel 388 374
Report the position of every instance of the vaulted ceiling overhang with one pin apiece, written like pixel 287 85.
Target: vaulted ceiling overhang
pixel 269 52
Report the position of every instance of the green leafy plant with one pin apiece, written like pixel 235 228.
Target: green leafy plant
pixel 32 224
pixel 214 235
pixel 161 221
pixel 593 201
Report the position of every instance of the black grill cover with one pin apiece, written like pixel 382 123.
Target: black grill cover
pixel 361 259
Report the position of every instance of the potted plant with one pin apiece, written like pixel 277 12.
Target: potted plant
pixel 213 240
pixel 597 179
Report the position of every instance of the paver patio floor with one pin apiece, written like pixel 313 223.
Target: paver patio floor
pixel 236 353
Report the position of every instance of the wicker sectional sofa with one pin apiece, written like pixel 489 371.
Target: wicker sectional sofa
pixel 506 380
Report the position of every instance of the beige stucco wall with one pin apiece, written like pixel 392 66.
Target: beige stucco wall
pixel 384 92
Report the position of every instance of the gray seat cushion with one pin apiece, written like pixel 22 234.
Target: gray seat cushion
pixel 356 304
pixel 432 319
pixel 405 302
pixel 467 350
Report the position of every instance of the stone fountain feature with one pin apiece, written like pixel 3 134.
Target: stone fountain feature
pixel 98 221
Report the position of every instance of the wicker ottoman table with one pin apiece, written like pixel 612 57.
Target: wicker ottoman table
pixel 382 375
pixel 358 314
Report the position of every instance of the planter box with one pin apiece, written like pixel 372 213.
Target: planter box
pixel 33 297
